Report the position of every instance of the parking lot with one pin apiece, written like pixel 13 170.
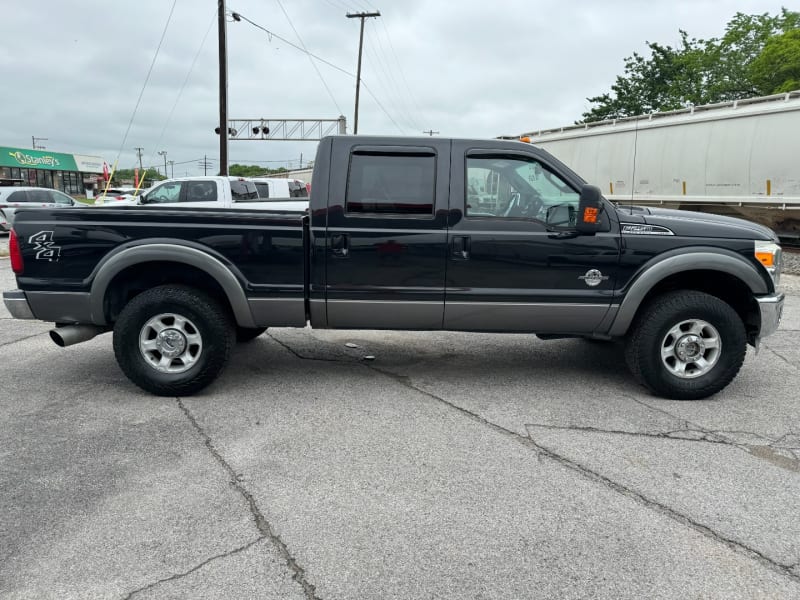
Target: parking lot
pixel 452 465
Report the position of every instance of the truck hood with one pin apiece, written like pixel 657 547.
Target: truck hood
pixel 695 224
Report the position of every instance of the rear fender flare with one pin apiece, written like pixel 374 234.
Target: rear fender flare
pixel 160 252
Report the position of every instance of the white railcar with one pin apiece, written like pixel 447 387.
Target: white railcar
pixel 743 152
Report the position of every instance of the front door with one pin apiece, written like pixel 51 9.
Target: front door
pixel 386 235
pixel 515 261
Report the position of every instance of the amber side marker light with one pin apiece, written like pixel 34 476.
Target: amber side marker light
pixel 590 215
pixel 766 258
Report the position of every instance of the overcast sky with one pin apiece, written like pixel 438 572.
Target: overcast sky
pixel 72 71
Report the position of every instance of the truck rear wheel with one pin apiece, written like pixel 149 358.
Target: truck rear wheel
pixel 173 340
pixel 686 345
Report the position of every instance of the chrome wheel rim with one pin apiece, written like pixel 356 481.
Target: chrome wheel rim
pixel 691 348
pixel 170 343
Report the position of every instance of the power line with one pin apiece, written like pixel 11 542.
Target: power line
pixel 311 60
pixel 183 86
pixel 295 46
pixel 392 88
pixel 319 58
pixel 400 67
pixel 146 80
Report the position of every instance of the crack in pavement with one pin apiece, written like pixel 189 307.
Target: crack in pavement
pixel 543 451
pixel 595 476
pixel 178 576
pixel 301 357
pixel 261 523
pixel 762 451
pixel 793 442
pixel 22 339
pixel 666 435
pixel 783 358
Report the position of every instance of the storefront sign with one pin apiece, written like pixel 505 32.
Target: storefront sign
pixel 36 159
pixel 88 164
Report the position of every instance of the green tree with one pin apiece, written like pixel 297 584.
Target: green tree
pixel 121 175
pixel 777 68
pixel 252 171
pixel 705 71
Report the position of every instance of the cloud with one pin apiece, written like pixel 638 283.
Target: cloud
pixel 73 71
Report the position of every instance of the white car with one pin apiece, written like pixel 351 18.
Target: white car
pixel 117 196
pixel 14 197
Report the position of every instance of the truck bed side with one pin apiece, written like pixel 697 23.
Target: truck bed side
pixel 83 265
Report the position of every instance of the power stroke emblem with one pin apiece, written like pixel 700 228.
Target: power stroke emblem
pixel 593 277
pixel 44 246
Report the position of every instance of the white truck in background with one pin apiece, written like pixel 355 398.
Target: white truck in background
pixel 741 155
pixel 274 187
pixel 224 192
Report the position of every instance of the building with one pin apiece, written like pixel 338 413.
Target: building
pixel 71 173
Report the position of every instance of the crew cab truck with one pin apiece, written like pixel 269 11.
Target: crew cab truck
pixel 414 234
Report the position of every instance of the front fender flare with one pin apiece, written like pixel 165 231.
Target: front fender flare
pixel 695 260
pixel 162 252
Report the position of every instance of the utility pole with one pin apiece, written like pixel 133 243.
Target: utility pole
pixel 223 89
pixel 205 163
pixel 139 153
pixel 362 16
pixel 430 132
pixel 172 164
pixel 164 154
pixel 34 141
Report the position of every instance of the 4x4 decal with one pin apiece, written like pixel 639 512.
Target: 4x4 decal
pixel 44 246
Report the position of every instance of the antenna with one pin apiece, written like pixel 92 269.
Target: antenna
pixel 633 168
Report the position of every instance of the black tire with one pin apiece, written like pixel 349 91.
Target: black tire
pixel 206 318
pixel 246 334
pixel 652 330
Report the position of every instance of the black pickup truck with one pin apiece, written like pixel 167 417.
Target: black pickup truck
pixel 414 234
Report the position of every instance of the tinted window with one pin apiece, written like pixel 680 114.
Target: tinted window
pixel 263 190
pixel 395 183
pixel 200 191
pixel 515 187
pixel 60 198
pixel 18 197
pixel 244 190
pixel 40 196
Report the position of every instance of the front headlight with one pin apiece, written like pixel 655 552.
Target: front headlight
pixel 770 255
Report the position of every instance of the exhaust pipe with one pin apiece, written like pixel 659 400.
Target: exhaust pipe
pixel 75 334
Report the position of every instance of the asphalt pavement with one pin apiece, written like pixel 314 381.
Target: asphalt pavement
pixel 449 466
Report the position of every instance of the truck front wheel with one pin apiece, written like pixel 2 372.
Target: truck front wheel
pixel 173 340
pixel 686 345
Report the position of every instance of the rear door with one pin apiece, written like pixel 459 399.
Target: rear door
pixel 386 234
pixel 60 199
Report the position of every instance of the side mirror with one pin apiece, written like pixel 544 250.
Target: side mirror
pixel 560 215
pixel 590 205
